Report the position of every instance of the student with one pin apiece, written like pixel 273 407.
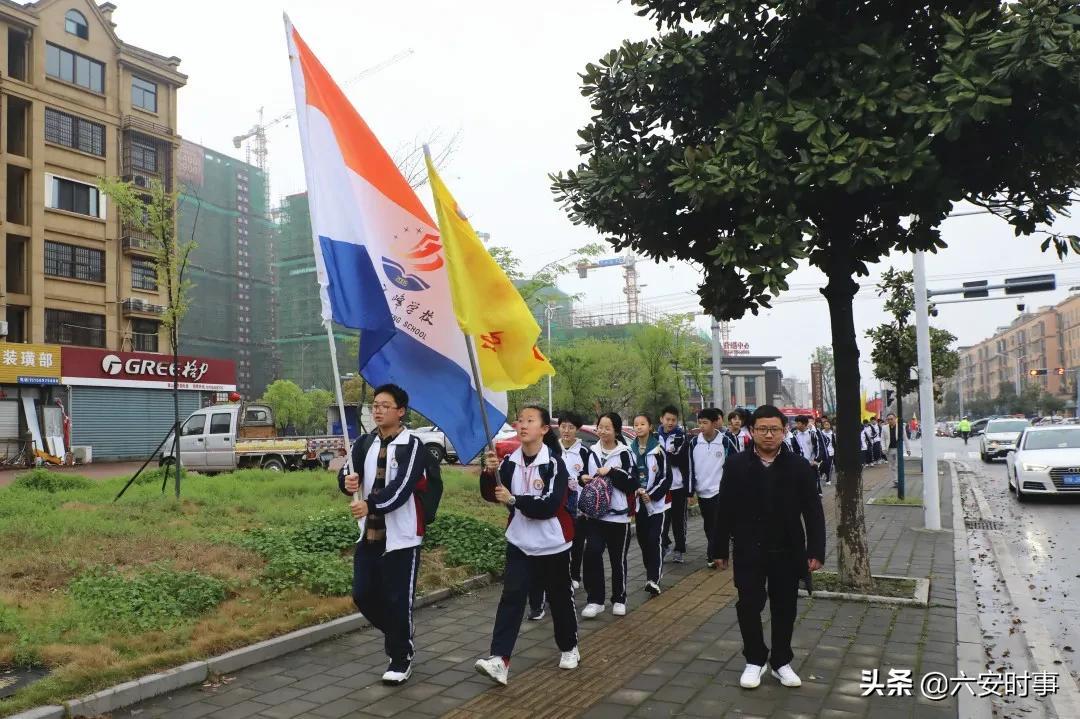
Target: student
pixel 866 443
pixel 808 443
pixel 612 531
pixel 734 428
pixel 580 461
pixel 830 449
pixel 673 440
pixel 532 483
pixel 387 556
pixel 708 452
pixel 744 436
pixel 879 456
pixel 766 499
pixel 653 474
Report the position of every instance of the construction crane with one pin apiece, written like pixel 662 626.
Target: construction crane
pixel 256 152
pixel 632 289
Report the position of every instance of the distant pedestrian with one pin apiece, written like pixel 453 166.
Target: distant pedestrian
pixel 611 532
pixel 891 442
pixel 653 474
pixel 580 461
pixel 964 428
pixel 766 498
pixel 708 452
pixel 738 427
pixel 809 444
pixel 676 445
pixel 866 443
pixel 879 454
pixel 830 446
pixel 532 483
pixel 387 467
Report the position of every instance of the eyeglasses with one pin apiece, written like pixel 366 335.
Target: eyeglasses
pixel 383 405
pixel 768 430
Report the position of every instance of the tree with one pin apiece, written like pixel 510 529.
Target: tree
pixel 895 352
pixel 747 137
pixel 287 403
pixel 317 401
pixel 152 212
pixel 823 355
pixel 950 405
pixel 654 347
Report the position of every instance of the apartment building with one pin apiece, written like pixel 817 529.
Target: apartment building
pixel 76 104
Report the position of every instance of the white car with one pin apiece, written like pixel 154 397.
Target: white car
pixel 1046 461
pixel 1000 437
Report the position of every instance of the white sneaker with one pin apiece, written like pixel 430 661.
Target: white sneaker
pixel 391 676
pixel 787 676
pixel 618 609
pixel 751 676
pixel 494 668
pixel 591 610
pixel 575 584
pixel 570 659
pixel 652 588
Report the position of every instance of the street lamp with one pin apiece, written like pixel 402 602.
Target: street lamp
pixel 549 312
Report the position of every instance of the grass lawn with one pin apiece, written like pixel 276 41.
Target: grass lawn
pixel 100 592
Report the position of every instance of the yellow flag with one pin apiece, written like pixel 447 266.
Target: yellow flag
pixel 487 305
pixel 866 413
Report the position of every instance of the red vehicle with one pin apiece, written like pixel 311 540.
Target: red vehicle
pixel 587 435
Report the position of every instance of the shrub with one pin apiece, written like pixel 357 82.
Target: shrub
pixel 319 573
pixel 468 542
pixel 156 598
pixel 43 480
pixel 9 623
pixel 331 531
pixel 157 476
pixel 309 556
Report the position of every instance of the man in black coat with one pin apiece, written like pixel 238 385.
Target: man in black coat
pixel 766 497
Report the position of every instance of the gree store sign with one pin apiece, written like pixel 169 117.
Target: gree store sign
pixel 29 364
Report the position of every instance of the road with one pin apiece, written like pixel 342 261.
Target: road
pixel 1027 576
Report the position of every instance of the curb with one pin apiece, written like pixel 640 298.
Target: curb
pixel 152 685
pixel 969 643
pixel 921 598
pixel 872 503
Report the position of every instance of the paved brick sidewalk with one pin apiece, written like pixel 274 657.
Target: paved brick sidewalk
pixel 675 655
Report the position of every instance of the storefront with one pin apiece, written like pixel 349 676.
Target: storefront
pixel 121 403
pixel 30 387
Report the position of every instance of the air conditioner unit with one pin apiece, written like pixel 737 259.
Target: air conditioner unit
pixel 3 328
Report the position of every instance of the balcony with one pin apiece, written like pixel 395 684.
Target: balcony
pixel 138 307
pixel 138 243
pixel 131 122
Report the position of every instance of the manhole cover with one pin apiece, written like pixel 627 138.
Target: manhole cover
pixel 983 524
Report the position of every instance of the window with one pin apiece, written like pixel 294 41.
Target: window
pixel 18 44
pixel 75 24
pixel 16 125
pixel 16 319
pixel 195 424
pixel 143 157
pixel 144 336
pixel 15 271
pixel 74 68
pixel 63 327
pixel 74 132
pixel 78 263
pixel 143 275
pixel 74 196
pixel 220 423
pixel 17 178
pixel 143 94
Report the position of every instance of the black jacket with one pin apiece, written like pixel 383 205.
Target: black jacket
pixel 744 502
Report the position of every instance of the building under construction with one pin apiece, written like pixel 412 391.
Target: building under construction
pixel 233 309
pixel 300 339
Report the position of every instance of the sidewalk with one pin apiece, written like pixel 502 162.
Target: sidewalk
pixel 675 655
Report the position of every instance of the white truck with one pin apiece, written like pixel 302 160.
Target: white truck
pixel 221 438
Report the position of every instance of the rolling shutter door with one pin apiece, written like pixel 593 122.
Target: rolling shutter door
pixel 9 419
pixel 125 423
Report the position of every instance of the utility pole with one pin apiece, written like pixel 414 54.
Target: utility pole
pixel 716 364
pixel 931 495
pixel 549 312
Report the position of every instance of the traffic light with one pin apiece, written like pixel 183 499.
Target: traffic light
pixel 889 397
pixel 1036 372
pixel 1060 371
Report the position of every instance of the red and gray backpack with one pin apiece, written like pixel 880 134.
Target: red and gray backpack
pixel 594 499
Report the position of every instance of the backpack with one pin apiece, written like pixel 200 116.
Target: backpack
pixel 594 499
pixel 430 487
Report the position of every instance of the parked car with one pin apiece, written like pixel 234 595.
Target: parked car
pixel 436 443
pixel 1046 461
pixel 221 438
pixel 1000 437
pixel 979 426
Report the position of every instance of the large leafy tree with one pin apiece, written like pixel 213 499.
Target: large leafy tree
pixel 751 135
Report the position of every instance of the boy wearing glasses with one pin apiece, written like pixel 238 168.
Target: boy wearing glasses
pixel 767 498
pixel 387 465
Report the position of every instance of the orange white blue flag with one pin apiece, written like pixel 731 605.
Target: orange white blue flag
pixel 380 262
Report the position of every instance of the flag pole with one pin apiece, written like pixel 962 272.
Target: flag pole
pixel 360 523
pixel 470 346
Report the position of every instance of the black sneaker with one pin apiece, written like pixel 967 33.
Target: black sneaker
pixel 536 615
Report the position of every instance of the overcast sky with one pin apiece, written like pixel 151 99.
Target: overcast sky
pixel 505 75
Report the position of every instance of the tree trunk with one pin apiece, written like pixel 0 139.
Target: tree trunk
pixel 174 333
pixel 852 554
